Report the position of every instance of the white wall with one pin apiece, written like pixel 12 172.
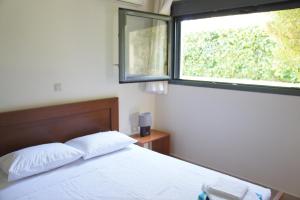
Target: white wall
pixel 254 136
pixel 72 42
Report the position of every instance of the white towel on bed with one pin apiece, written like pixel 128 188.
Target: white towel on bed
pixel 226 189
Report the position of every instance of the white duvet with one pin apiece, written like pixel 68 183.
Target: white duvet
pixel 129 174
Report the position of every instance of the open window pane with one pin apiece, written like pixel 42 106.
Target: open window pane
pixel 254 49
pixel 144 41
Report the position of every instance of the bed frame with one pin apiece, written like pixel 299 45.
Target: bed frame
pixel 20 129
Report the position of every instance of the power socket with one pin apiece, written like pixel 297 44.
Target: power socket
pixel 57 87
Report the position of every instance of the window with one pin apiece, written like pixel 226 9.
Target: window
pixel 144 46
pixel 251 51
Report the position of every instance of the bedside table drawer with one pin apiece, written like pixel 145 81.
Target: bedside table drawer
pixel 158 141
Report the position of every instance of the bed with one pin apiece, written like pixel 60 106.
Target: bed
pixel 131 173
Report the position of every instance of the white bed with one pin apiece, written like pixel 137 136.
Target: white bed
pixel 132 173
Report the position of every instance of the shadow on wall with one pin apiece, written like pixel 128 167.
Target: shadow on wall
pixel 134 122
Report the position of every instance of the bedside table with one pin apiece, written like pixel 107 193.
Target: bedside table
pixel 160 141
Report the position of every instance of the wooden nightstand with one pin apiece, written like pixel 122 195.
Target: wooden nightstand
pixel 160 141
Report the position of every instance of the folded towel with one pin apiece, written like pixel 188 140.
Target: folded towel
pixel 226 189
pixel 249 196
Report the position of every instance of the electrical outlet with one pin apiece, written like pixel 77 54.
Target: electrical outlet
pixel 57 87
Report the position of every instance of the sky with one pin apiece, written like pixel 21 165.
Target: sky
pixel 226 22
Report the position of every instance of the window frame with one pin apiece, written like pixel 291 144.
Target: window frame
pixel 122 66
pixel 225 85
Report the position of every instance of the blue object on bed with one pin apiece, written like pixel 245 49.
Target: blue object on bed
pixel 260 197
pixel 203 196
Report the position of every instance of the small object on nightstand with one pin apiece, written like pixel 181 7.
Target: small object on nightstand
pixel 145 122
pixel 160 141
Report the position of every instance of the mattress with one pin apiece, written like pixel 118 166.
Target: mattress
pixel 130 174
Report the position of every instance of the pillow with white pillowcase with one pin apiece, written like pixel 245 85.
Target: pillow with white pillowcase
pixel 37 159
pixel 101 143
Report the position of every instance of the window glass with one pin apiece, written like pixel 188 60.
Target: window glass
pixel 256 48
pixel 145 48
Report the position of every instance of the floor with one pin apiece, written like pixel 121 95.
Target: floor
pixel 289 197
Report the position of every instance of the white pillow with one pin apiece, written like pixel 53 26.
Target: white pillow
pixel 37 159
pixel 101 143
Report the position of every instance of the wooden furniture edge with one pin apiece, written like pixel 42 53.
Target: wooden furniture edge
pixel 153 139
pixel 160 141
pixel 279 195
pixel 57 123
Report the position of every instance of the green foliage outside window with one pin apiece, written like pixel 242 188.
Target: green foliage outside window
pixel 270 54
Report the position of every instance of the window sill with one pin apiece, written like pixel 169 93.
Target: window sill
pixel 240 87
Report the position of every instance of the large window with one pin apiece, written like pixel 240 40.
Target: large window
pixel 260 49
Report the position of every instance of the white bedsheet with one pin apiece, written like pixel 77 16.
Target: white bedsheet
pixel 129 174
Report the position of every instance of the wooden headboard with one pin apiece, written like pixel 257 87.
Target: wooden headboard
pixel 19 129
